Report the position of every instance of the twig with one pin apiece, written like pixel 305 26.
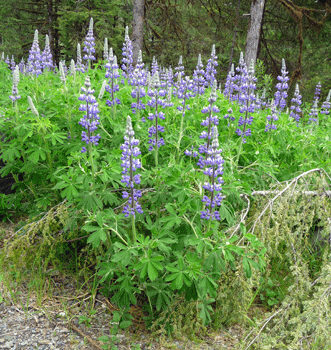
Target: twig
pixel 90 340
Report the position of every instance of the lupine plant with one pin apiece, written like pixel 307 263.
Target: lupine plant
pixel 138 81
pixel 16 78
pixel 279 102
pixel 180 249
pixel 90 120
pixel 246 101
pixel 156 101
pixel 127 60
pixel 213 169
pixel 89 44
pixel 295 107
pixel 112 74
pixel 46 57
pixel 211 67
pixel 326 105
pixel 35 58
pixel 79 65
pixel 199 77
pixel 130 163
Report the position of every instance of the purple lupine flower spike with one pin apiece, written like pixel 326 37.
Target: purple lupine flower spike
pixel 127 60
pixel 209 122
pixel 156 94
pixel 326 105
pixel 213 168
pixel 246 100
pixel 79 65
pixel 230 84
pixel 130 163
pixel 210 68
pixel 46 57
pixel 280 99
pixel 199 77
pixel 317 91
pixel 295 107
pixel 112 74
pixel 314 113
pixel 16 78
pixel 179 70
pixel 7 60
pixel 139 81
pixel 90 120
pixel 185 91
pixel 155 66
pixel 89 44
pixel 12 63
pixel 34 60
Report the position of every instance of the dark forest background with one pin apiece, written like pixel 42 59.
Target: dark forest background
pixel 182 27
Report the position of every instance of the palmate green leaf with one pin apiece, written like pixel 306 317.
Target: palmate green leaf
pixel 38 153
pixel 56 137
pixel 96 237
pixel 10 154
pixel 247 267
pixel 163 300
pixel 90 202
pixel 70 192
pixel 207 285
pixel 206 310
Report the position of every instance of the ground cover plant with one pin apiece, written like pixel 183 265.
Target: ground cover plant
pixel 154 171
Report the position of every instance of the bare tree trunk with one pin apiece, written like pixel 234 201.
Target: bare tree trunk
pixel 254 31
pixel 137 28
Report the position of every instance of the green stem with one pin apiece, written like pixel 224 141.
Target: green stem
pixel 134 239
pixel 239 151
pixel 91 161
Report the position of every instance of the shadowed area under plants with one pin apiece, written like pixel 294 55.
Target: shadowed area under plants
pixel 293 220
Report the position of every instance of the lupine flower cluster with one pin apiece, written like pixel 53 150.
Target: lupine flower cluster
pixel 185 91
pixel 46 57
pixel 314 110
pixel 79 65
pixel 213 168
pixel 139 80
pixel 295 107
pixel 155 66
pixel 246 100
pixel 199 77
pixel 127 60
pixel 89 44
pixel 156 100
pixel 211 68
pixel 280 99
pixel 314 113
pixel 16 78
pixel 90 120
pixel 230 86
pixel 34 60
pixel 112 74
pixel 326 105
pixel 12 64
pixel 179 70
pixel 317 93
pixel 130 163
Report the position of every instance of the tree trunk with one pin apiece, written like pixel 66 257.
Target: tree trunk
pixel 254 31
pixel 137 28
